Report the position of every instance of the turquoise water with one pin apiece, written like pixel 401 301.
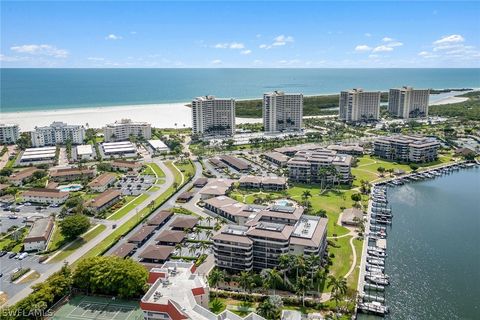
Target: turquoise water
pixel 434 249
pixel 70 187
pixel 43 89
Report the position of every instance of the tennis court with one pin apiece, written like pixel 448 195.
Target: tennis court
pixel 90 308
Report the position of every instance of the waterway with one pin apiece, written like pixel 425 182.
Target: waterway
pixel 434 248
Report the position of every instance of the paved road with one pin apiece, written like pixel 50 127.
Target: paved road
pixel 169 178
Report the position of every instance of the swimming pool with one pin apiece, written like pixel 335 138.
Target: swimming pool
pixel 284 202
pixel 70 187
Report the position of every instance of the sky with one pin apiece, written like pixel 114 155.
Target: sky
pixel 228 34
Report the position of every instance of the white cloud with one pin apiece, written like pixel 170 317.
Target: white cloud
pixel 41 49
pixel 229 45
pixel 282 40
pixel 133 32
pixel 96 59
pixel 258 35
pixel 246 51
pixel 382 48
pixel 278 41
pixel 367 34
pixel 236 45
pixel 362 48
pixel 216 61
pixel 394 44
pixel 387 39
pixel 454 38
pixel 112 36
pixel 373 56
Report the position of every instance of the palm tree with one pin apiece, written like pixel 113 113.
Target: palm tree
pixel 203 246
pixel 285 264
pixel 339 288
pixel 215 277
pixel 245 282
pixel 299 264
pixel 320 275
pixel 301 286
pixel 208 234
pixel 312 261
pixel 179 247
pixel 271 277
pixel 192 250
pixel 208 219
pixel 197 232
pixel 305 195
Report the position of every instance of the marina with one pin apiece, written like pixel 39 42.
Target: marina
pixel 374 280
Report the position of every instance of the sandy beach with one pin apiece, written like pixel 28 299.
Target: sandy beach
pixel 448 100
pixel 159 115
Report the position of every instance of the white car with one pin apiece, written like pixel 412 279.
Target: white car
pixel 22 256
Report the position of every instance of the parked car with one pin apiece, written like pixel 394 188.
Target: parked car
pixel 1 274
pixel 12 255
pixel 22 256
pixel 2 253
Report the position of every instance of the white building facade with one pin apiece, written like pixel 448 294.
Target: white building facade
pixel 122 130
pixel 213 117
pixel 58 133
pixel 282 111
pixel 9 133
pixel 357 105
pixel 408 103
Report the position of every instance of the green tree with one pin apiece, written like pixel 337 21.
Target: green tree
pixel 215 277
pixel 111 275
pixel 271 278
pixel 301 286
pixel 246 282
pixel 339 288
pixel 73 226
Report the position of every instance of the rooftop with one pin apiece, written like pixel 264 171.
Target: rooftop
pixel 104 198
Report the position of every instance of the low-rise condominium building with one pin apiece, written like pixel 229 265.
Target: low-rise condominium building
pixel 282 111
pixel 39 235
pixel 407 148
pixel 9 133
pixel 357 105
pixel 71 174
pixel 122 130
pixel 104 200
pixel 321 165
pixel 102 182
pixel 213 117
pixel 407 102
pixel 45 196
pixel 58 133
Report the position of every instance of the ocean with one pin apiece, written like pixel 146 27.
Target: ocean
pixel 433 249
pixel 50 89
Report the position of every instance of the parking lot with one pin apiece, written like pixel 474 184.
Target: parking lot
pixel 8 265
pixel 135 185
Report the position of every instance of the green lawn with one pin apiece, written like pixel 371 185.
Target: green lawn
pixel 130 205
pixel 78 243
pixel 352 280
pixel 154 170
pixel 343 256
pixel 130 224
pixel 57 239
pixel 153 189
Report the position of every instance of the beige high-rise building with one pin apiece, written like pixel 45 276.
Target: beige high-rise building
pixel 357 105
pixel 213 117
pixel 408 103
pixel 122 130
pixel 282 111
pixel 57 133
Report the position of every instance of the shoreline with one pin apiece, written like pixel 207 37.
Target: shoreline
pixel 160 115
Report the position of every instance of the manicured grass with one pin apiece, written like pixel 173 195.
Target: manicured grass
pixel 57 239
pixel 153 189
pixel 130 224
pixel 352 280
pixel 32 276
pixel 154 170
pixel 78 243
pixel 331 201
pixel 129 206
pixel 343 256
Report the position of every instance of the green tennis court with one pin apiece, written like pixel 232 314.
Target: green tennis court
pixel 89 308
